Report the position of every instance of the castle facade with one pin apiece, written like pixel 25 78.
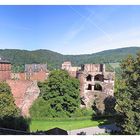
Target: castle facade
pixel 94 79
pixel 5 69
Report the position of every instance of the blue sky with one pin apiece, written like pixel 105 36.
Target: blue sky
pixel 69 29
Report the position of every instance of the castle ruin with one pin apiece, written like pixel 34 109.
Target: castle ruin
pixel 93 80
pixel 34 72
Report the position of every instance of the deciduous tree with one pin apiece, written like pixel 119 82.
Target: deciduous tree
pixel 61 93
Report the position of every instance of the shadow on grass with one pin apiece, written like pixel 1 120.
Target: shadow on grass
pixel 14 125
pixel 103 119
pixel 107 122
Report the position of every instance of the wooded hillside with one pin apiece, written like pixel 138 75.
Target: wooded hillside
pixel 54 59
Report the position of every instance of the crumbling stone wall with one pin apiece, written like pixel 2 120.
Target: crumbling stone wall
pixel 32 72
pixel 24 93
pixel 93 80
pixel 5 70
pixel 71 70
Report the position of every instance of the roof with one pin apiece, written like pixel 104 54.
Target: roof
pixel 35 67
pixel 56 131
pixel 2 60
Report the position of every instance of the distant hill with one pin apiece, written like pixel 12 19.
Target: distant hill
pixel 108 56
pixel 21 57
pixel 54 59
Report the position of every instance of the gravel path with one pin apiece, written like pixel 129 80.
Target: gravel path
pixel 94 130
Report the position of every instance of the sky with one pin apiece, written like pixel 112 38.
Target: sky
pixel 69 29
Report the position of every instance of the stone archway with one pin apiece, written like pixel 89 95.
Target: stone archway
pixel 99 77
pixel 89 78
pixel 89 87
pixel 97 87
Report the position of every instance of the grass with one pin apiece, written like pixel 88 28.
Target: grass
pixel 65 124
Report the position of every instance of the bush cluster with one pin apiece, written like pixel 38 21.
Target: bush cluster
pixel 41 109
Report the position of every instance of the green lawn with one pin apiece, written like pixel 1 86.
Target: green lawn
pixel 65 124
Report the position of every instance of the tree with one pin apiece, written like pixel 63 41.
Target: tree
pixel 4 88
pixel 7 106
pixel 40 109
pixel 128 96
pixel 109 103
pixel 9 113
pixel 109 67
pixel 61 93
pixel 98 105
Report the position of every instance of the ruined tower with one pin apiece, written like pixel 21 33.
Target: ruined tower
pixel 94 80
pixel 71 70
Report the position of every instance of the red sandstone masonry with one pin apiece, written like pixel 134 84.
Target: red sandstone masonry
pixel 39 76
pixel 24 93
pixel 5 71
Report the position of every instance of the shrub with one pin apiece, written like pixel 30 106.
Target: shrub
pixel 81 112
pixel 16 123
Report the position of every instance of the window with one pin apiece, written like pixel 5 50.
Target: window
pixel 97 87
pixel 98 77
pixel 89 87
pixel 89 78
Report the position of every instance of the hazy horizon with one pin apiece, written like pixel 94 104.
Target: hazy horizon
pixel 69 30
pixel 74 54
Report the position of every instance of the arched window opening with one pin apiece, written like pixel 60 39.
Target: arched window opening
pixel 89 78
pixel 98 77
pixel 97 87
pixel 89 87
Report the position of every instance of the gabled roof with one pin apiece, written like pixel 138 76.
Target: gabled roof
pixel 35 67
pixel 2 60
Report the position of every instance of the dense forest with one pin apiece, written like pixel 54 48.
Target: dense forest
pixel 54 59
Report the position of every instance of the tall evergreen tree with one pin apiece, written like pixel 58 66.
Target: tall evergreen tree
pixel 128 96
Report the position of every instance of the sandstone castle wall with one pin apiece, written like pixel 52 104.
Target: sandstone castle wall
pixel 94 81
